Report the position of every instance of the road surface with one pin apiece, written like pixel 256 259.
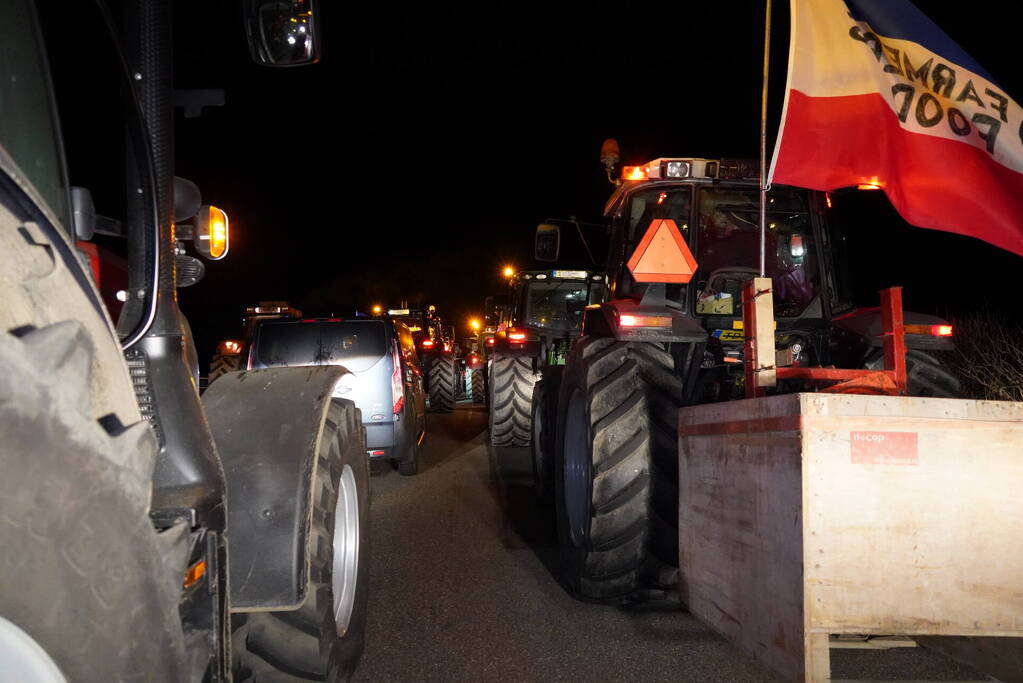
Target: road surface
pixel 463 588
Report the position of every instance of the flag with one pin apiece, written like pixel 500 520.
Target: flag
pixel 878 95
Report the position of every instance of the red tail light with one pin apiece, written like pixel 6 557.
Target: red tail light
pixel 473 361
pixel 427 343
pixel 645 321
pixel 932 330
pixel 397 386
pixel 490 341
pixel 516 336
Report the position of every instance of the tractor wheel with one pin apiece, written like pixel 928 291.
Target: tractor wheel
pixel 442 377
pixel 616 469
pixel 87 576
pixel 222 364
pixel 924 373
pixel 545 421
pixel 511 387
pixel 479 391
pixel 323 639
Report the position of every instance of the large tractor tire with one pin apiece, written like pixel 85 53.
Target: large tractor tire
pixel 479 390
pixel 544 427
pixel 323 639
pixel 616 470
pixel 222 364
pixel 442 378
pixel 86 575
pixel 511 397
pixel 924 374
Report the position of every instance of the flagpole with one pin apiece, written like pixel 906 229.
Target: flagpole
pixel 763 145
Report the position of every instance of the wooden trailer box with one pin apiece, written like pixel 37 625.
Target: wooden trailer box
pixel 806 515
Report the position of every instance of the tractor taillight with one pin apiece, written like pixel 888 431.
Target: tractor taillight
pixel 931 330
pixel 427 343
pixel 473 361
pixel 229 347
pixel 629 320
pixel 490 341
pixel 397 386
pixel 516 336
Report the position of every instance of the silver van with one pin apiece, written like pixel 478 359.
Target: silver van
pixel 384 378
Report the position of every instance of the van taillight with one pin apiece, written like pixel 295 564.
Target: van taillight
pixel 397 386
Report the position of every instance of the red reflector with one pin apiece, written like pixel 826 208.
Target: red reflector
pixel 377 453
pixel 645 321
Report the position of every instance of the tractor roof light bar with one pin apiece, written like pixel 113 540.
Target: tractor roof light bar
pixel 758 322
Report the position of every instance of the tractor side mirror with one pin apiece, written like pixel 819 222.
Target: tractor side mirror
pixel 548 242
pixel 283 33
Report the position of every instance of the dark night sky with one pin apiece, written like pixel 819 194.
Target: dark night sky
pixel 417 157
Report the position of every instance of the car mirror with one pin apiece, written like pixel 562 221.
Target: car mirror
pixel 283 33
pixel 548 242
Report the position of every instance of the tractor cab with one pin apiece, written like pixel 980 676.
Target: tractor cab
pixel 685 237
pixel 545 310
pixel 714 205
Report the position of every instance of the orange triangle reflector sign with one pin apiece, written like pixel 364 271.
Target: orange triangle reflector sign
pixel 662 255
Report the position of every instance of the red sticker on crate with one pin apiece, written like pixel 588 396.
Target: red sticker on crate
pixel 883 448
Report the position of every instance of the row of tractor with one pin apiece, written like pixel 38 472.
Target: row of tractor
pixel 588 368
pixel 711 417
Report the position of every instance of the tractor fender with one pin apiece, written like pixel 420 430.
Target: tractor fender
pixel 267 425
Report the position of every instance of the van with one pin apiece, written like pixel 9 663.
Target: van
pixel 384 377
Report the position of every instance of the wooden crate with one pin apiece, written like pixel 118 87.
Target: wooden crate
pixel 807 515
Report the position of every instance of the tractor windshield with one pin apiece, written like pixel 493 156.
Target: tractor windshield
pixel 729 249
pixel 558 305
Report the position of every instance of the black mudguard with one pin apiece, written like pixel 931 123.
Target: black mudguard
pixel 267 425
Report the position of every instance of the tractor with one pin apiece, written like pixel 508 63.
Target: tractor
pixel 230 353
pixel 148 533
pixel 435 355
pixel 534 337
pixel 684 241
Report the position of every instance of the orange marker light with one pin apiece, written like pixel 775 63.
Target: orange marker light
pixel 212 232
pixel 474 324
pixel 195 573
pixel 508 271
pixel 634 173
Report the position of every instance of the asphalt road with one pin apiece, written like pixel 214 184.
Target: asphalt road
pixel 463 588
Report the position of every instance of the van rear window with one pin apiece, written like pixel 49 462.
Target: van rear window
pixel 319 343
